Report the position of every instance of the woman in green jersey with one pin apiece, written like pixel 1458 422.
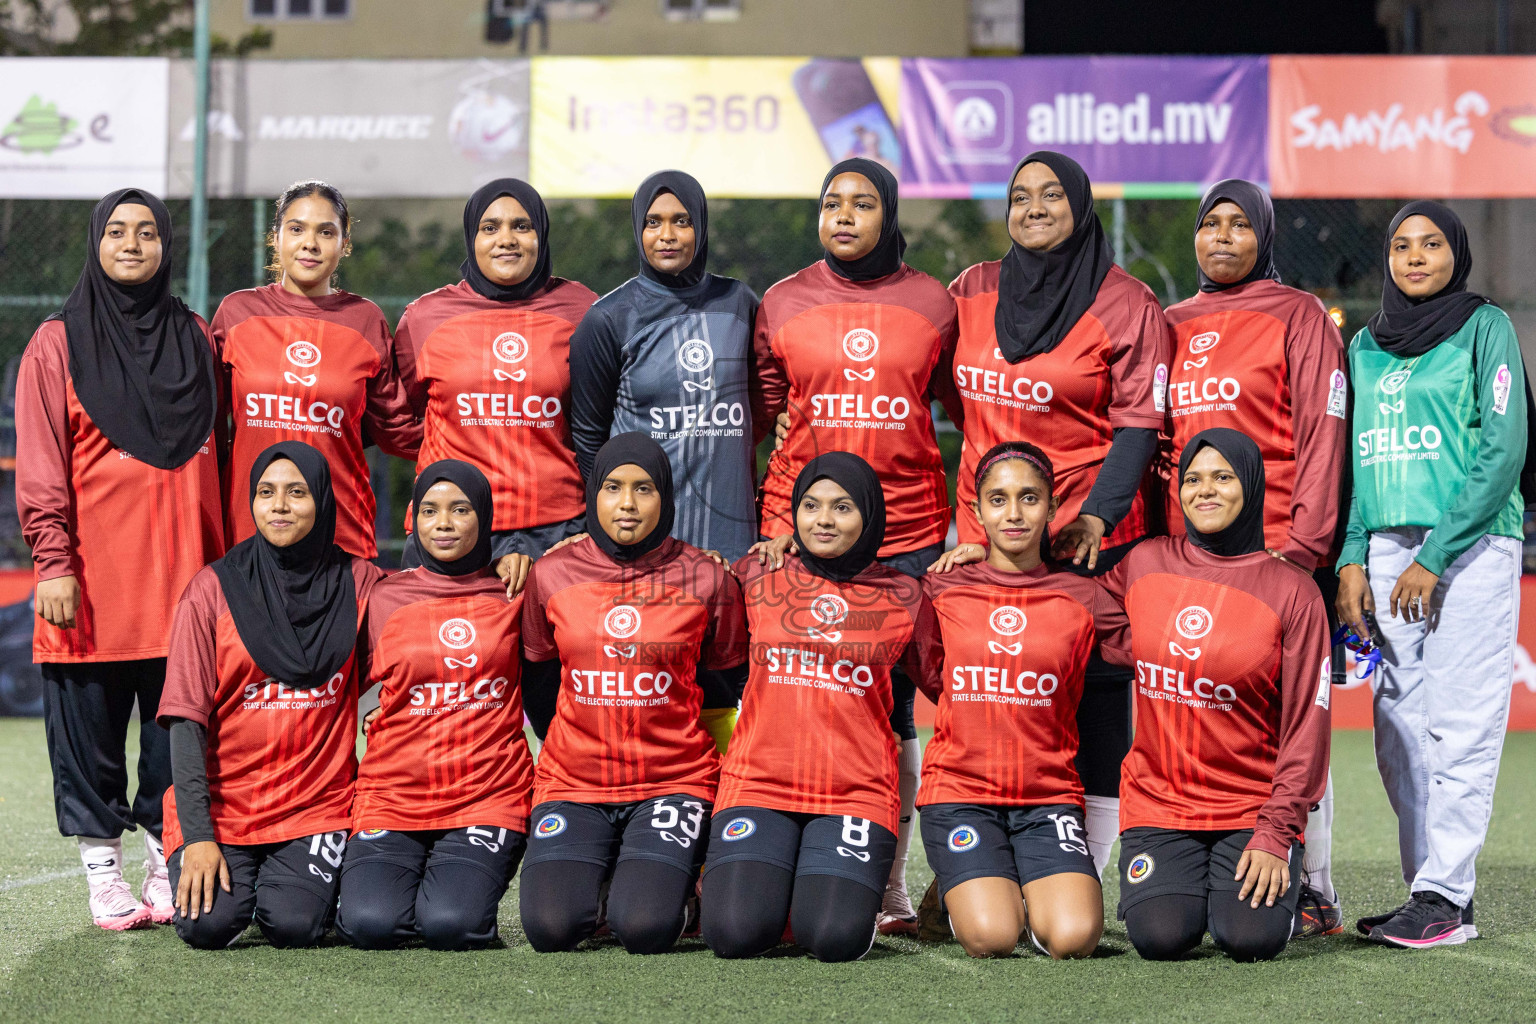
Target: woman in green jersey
pixel 1431 566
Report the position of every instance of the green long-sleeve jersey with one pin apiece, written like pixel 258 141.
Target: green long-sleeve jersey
pixel 1439 440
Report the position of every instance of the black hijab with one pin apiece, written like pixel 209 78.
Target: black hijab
pixel 140 364
pixel 1042 295
pixel 885 258
pixel 1260 212
pixel 691 194
pixel 634 448
pixel 1245 534
pixel 1410 327
pixel 478 490
pixel 855 476
pixel 475 209
pixel 295 607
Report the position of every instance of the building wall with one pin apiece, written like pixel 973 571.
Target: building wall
pixel 1455 26
pixel 456 28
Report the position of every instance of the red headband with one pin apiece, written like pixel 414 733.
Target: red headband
pixel 986 467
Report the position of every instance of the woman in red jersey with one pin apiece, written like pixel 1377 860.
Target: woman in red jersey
pixel 1254 355
pixel 1001 799
pixel 1060 346
pixel 116 401
pixel 805 830
pixel 487 363
pixel 305 361
pixel 642 625
pixel 854 349
pixel 261 701
pixel 441 814
pixel 1230 648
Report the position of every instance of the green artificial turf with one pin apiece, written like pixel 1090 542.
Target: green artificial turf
pixel 54 965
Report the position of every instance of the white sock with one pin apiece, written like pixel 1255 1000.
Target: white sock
pixel 910 762
pixel 1102 820
pixel 1318 862
pixel 155 851
pixel 103 859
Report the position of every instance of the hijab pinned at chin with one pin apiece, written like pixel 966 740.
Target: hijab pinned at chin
pixel 1245 534
pixel 294 607
pixel 686 188
pixel 859 481
pixel 634 448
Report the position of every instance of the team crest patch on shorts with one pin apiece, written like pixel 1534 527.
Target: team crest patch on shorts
pixel 962 838
pixel 738 829
pixel 1141 867
pixel 549 826
pixel 372 833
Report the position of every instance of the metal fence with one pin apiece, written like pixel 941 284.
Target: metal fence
pixel 403 248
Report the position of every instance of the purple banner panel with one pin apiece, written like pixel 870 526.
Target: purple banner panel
pixel 1182 121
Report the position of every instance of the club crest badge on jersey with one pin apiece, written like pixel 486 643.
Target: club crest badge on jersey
pixel 1140 869
pixel 695 355
pixel 1203 342
pixel 456 633
pixel 828 611
pixel 1006 621
pixel 306 356
pixel 860 345
pixel 962 838
pixel 622 621
pixel 738 829
pixel 550 826
pixel 510 347
pixel 1192 623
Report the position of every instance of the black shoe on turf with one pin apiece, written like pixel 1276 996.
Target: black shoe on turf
pixel 1365 924
pixel 1467 927
pixel 1428 920
pixel 1316 915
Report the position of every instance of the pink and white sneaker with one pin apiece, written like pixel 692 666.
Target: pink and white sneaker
pixel 114 908
pixel 156 891
pixel 896 915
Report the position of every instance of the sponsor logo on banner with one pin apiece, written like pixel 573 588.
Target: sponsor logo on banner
pixel 1130 119
pixel 1368 127
pixel 76 127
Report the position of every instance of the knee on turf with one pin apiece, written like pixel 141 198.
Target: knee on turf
pixel 992 936
pixel 451 927
pixel 1249 936
pixel 644 931
pixel 739 937
pixel 838 941
pixel 554 929
pixel 1163 932
pixel 1070 938
pixel 292 927
pixel 212 930
pixel 368 925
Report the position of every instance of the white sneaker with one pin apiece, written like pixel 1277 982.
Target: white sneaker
pixel 156 890
pixel 896 914
pixel 114 908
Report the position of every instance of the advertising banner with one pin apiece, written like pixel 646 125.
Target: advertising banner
pixel 744 126
pixel 1168 124
pixel 1399 127
pixel 79 127
pixel 371 127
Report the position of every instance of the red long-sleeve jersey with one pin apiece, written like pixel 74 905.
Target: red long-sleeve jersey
pixel 1007 691
pixel 1232 689
pixel 493 382
pixel 630 639
pixel 1267 360
pixel 1109 371
pixel 857 363
pixel 281 760
pixel 132 535
pixel 814 735
pixel 448 750
pixel 318 371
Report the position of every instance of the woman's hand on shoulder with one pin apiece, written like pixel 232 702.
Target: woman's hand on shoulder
pixel 513 570
pixel 771 552
pixel 1080 540
pixel 960 554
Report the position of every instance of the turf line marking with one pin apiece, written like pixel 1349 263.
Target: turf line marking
pixel 52 876
pixel 951 963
